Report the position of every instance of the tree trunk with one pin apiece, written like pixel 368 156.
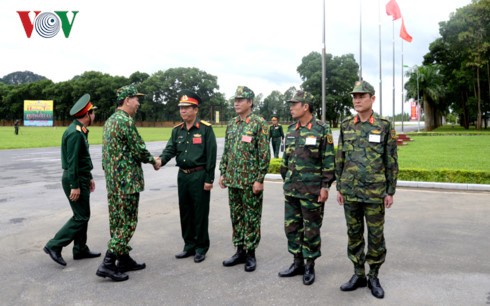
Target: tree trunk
pixel 429 111
pixel 478 93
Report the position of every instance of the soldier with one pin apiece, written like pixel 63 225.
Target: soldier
pixel 366 171
pixel 123 151
pixel 243 166
pixel 77 182
pixel 276 135
pixel 308 171
pixel 193 144
pixel 16 126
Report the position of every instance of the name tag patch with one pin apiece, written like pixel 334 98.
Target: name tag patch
pixel 246 138
pixel 375 138
pixel 310 141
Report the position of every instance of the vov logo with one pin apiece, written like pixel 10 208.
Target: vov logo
pixel 47 24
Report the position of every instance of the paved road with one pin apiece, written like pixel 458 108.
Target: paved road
pixel 437 247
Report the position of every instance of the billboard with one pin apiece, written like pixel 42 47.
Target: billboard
pixel 38 112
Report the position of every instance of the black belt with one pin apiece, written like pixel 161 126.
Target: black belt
pixel 190 170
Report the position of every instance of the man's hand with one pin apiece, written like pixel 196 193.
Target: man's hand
pixel 208 186
pixel 323 195
pixel 158 163
pixel 257 187
pixel 221 182
pixel 92 185
pixel 388 201
pixel 340 198
pixel 75 194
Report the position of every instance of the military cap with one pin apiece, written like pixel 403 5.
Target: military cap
pixel 127 91
pixel 363 87
pixel 301 96
pixel 275 117
pixel 82 106
pixel 189 98
pixel 243 92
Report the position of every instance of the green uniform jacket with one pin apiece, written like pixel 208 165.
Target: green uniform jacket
pixel 366 160
pixel 276 131
pixel 192 148
pixel 123 151
pixel 246 155
pixel 308 163
pixel 75 156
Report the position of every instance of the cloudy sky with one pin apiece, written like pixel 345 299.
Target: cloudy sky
pixel 257 43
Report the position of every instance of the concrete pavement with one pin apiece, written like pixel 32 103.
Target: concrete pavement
pixel 437 245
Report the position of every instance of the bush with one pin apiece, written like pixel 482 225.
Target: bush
pixel 275 165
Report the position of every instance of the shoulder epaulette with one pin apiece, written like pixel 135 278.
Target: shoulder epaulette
pixel 205 123
pixel 180 124
pixel 348 118
pixel 78 128
pixel 294 123
pixel 320 123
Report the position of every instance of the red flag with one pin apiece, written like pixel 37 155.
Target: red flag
pixel 403 32
pixel 392 9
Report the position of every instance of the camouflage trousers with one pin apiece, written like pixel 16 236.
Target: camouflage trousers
pixel 246 214
pixel 374 214
pixel 123 218
pixel 302 222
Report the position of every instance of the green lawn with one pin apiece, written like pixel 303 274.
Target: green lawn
pixel 37 137
pixel 446 152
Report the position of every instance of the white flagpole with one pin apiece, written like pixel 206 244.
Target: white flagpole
pixel 393 119
pixel 360 40
pixel 380 68
pixel 403 87
pixel 323 68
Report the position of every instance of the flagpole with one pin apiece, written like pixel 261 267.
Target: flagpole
pixel 380 70
pixel 393 119
pixel 402 86
pixel 360 40
pixel 323 67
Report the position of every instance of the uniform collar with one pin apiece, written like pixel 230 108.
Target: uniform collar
pixel 247 119
pixel 196 124
pixel 80 127
pixel 308 126
pixel 371 119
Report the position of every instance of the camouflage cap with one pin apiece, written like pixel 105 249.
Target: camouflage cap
pixel 301 96
pixel 127 91
pixel 243 92
pixel 363 87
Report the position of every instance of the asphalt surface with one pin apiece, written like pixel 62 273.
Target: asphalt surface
pixel 437 243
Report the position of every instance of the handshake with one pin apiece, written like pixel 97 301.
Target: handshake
pixel 158 163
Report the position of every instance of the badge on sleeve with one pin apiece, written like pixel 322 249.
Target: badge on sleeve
pixel 329 139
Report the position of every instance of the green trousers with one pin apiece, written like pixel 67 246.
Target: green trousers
pixel 276 145
pixel 374 214
pixel 194 211
pixel 76 228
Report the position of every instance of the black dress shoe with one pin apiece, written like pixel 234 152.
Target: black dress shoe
pixel 185 254
pixel 199 257
pixel 375 286
pixel 56 256
pixel 309 275
pixel 293 270
pixel 250 261
pixel 87 254
pixel 354 283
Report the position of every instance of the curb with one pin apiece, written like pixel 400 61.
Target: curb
pixel 414 184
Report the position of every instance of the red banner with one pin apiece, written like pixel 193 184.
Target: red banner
pixel 413 110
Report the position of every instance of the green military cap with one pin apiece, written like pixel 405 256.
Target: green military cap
pixel 127 91
pixel 363 87
pixel 243 92
pixel 301 96
pixel 189 98
pixel 82 106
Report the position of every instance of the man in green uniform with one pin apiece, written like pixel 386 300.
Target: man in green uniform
pixel 366 171
pixel 276 135
pixel 123 151
pixel 193 145
pixel 243 166
pixel 308 171
pixel 77 182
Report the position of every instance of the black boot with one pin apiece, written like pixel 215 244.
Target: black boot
pixel 108 268
pixel 309 276
pixel 250 261
pixel 354 283
pixel 375 286
pixel 297 268
pixel 237 258
pixel 125 263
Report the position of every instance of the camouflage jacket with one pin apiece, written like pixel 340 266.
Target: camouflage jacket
pixel 75 156
pixel 308 161
pixel 123 151
pixel 366 159
pixel 192 148
pixel 276 131
pixel 246 155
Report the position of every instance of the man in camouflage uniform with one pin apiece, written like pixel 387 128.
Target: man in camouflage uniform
pixel 77 182
pixel 244 164
pixel 123 151
pixel 193 145
pixel 276 135
pixel 308 171
pixel 366 171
